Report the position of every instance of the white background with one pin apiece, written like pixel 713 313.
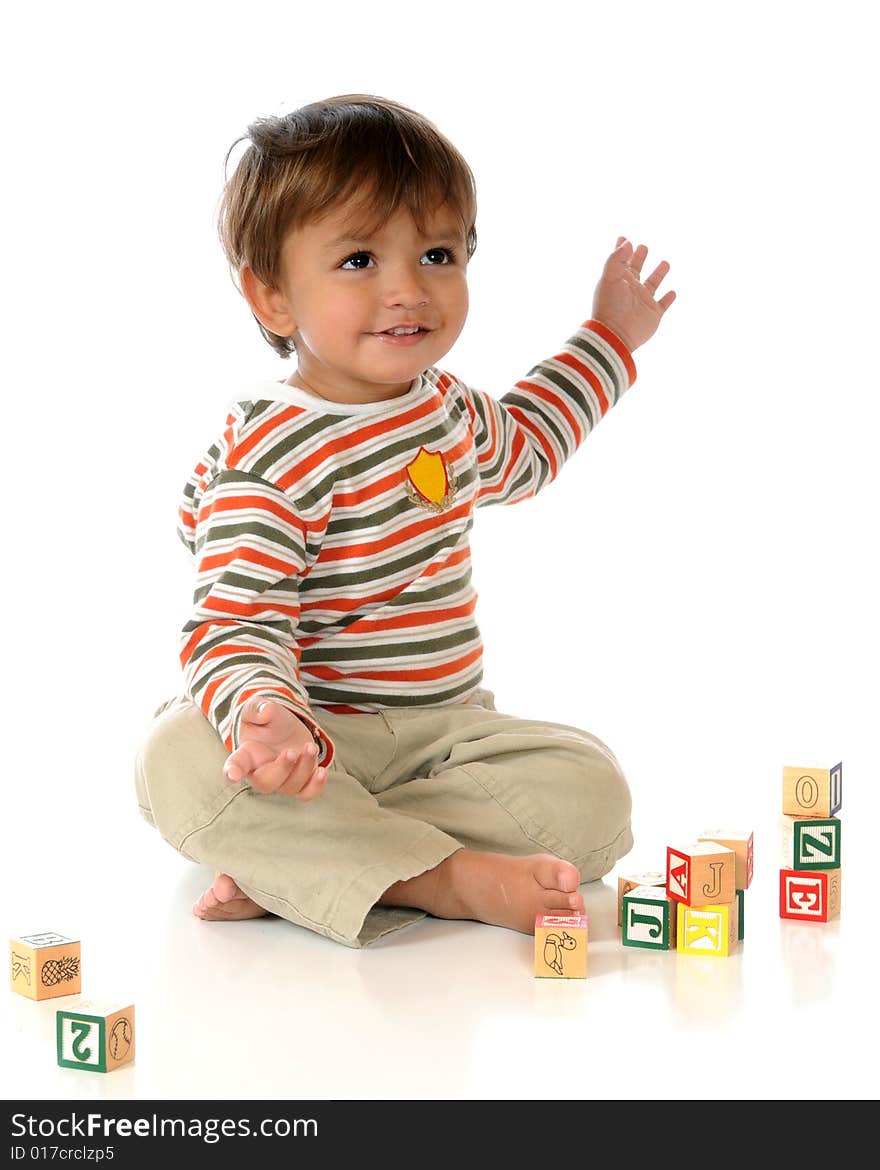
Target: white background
pixel 699 586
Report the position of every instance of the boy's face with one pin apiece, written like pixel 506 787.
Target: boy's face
pixel 340 294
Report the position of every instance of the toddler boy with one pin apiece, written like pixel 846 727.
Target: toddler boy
pixel 333 756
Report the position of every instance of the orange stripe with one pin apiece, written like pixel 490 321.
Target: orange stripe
pixel 344 605
pixel 208 693
pixel 248 556
pixel 214 604
pixel 369 492
pixel 568 359
pixel 350 551
pixel 249 692
pixel 515 447
pixel 556 400
pixel 360 438
pixel 489 455
pixel 264 504
pixel 444 382
pixel 616 344
pixel 202 631
pixel 227 649
pixel 525 422
pixel 245 446
pixel 413 620
pixel 403 674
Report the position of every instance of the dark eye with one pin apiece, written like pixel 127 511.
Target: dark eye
pixel 357 256
pixel 447 252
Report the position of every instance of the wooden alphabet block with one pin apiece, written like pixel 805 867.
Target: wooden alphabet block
pixel 561 946
pixel 629 881
pixel 649 918
pixel 701 874
pixel 95 1036
pixel 708 930
pixel 810 842
pixel 742 842
pixel 44 966
pixel 809 895
pixel 812 792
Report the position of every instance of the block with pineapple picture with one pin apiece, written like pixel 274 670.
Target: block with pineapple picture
pixel 45 965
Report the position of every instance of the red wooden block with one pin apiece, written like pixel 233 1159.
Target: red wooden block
pixel 809 895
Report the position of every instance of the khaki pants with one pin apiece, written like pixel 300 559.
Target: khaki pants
pixel 406 789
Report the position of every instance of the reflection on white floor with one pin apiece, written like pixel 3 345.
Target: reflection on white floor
pixel 444 1010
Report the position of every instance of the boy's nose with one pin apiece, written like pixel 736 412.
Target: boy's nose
pixel 405 290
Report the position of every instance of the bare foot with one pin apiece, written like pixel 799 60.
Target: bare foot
pixel 225 902
pixel 493 887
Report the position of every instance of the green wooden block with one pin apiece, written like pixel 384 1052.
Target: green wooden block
pixel 810 843
pixel 92 1037
pixel 648 919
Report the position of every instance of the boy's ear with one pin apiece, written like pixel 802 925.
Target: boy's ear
pixel 269 305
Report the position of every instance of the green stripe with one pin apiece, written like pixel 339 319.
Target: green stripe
pixel 389 511
pixel 530 407
pixel 219 531
pixel 321 578
pixel 286 586
pixel 282 448
pixel 260 633
pixel 385 452
pixel 352 698
pixel 403 599
pixel 597 357
pixel 381 651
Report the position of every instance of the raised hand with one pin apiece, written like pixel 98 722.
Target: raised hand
pixel 276 753
pixel 626 303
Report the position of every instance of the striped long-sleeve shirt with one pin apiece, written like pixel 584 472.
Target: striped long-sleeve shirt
pixel 331 540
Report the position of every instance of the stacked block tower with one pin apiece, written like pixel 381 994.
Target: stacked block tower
pixel 809 881
pixel 698 905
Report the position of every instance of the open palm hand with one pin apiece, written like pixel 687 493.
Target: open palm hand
pixel 625 303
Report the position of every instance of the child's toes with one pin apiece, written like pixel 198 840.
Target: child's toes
pixel 225 889
pixel 554 874
pixel 205 904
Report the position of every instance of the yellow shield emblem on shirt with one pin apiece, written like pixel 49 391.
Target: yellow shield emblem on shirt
pixel 429 480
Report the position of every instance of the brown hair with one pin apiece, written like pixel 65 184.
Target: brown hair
pixel 301 165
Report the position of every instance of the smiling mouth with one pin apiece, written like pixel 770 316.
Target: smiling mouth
pixel 408 333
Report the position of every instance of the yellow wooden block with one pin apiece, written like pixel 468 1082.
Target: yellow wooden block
pixel 812 792
pixel 95 1035
pixel 561 946
pixel 701 873
pixel 708 930
pixel 629 881
pixel 742 842
pixel 44 966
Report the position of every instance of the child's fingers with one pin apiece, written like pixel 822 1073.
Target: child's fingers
pixel 301 766
pixel 245 760
pixel 257 711
pixel 656 276
pixel 666 300
pixel 286 773
pixel 314 786
pixel 638 259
